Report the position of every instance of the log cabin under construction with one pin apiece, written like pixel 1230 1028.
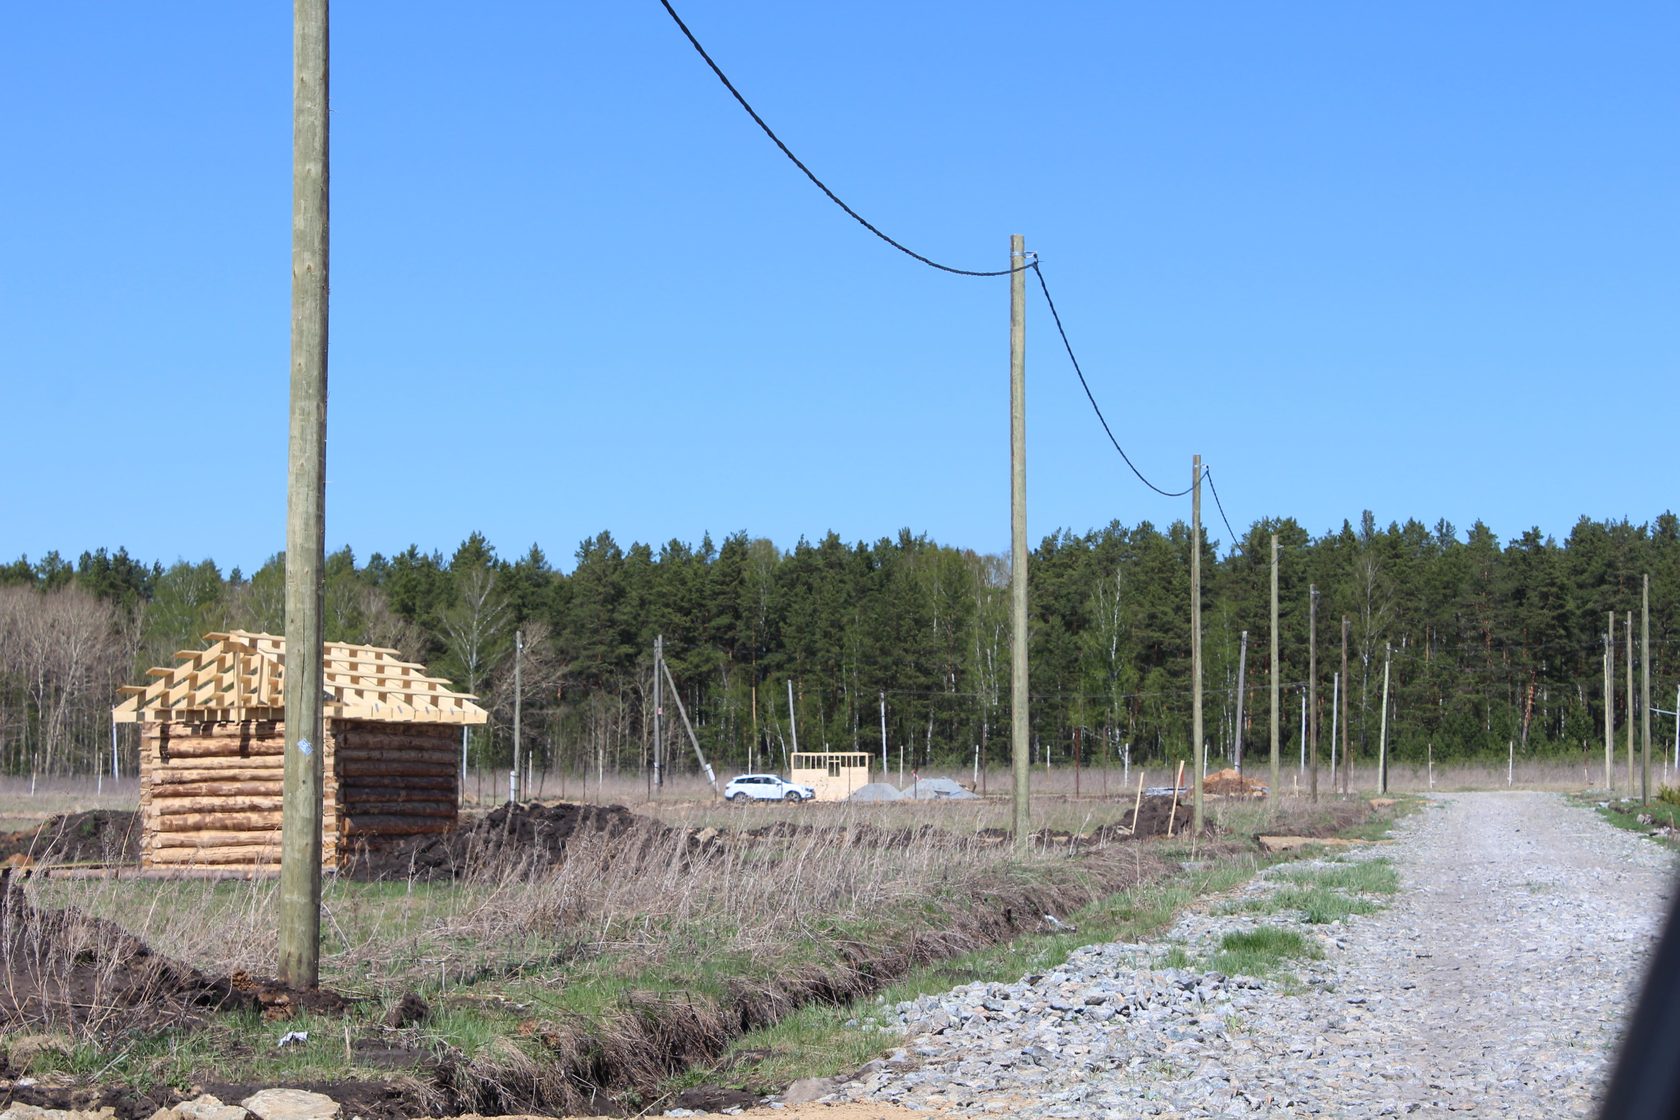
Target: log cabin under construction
pixel 213 737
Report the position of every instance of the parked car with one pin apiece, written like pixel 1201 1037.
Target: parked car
pixel 766 787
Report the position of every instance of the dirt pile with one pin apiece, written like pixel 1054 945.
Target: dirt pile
pixel 68 970
pixel 1155 814
pixel 1230 783
pixel 98 836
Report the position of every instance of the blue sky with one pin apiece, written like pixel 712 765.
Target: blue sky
pixel 1413 258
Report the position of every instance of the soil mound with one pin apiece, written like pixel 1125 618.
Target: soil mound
pixel 1154 815
pixel 1230 783
pixel 68 970
pixel 97 836
pixel 511 835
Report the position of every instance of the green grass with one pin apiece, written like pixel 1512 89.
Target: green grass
pixel 1625 815
pixel 1260 951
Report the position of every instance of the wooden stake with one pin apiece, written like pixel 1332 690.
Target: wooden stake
pixel 1137 806
pixel 1199 748
pixel 1178 784
pixel 1018 724
pixel 300 849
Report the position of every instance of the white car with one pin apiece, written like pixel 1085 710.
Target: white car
pixel 766 787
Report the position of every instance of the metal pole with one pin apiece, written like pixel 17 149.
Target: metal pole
pixel 884 737
pixel 518 656
pixel 1242 675
pixel 1645 690
pixel 1312 686
pixel 793 721
pixel 1303 767
pixel 1018 723
pixel 1335 711
pixel 1274 667
pixel 1198 748
pixel 300 832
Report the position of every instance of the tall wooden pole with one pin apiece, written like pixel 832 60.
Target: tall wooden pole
pixel 1628 629
pixel 518 656
pixel 1274 776
pixel 1312 689
pixel 1382 742
pixel 659 711
pixel 1242 676
pixel 1199 751
pixel 300 835
pixel 1018 724
pixel 1610 702
pixel 1347 759
pixel 1645 690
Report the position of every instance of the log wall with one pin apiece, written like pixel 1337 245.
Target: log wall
pixel 211 794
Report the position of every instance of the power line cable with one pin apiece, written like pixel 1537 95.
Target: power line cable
pixel 901 247
pixel 1090 397
pixel 1207 473
pixel 809 174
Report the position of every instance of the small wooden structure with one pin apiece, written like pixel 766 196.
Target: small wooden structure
pixel 835 775
pixel 211 759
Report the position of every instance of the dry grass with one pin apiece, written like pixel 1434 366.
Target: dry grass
pixel 635 957
pixel 24 804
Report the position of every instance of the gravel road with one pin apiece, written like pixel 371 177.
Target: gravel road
pixel 1492 984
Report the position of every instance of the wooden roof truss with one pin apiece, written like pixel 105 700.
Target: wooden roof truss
pixel 242 676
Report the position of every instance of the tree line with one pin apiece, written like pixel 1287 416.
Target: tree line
pixel 1491 642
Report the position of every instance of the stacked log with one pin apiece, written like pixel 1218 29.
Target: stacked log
pixel 397 779
pixel 212 794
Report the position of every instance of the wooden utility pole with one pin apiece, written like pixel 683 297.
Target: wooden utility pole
pixel 1645 690
pixel 1347 759
pixel 1312 688
pixel 1382 742
pixel 1273 789
pixel 1199 753
pixel 300 829
pixel 1018 725
pixel 1610 702
pixel 1628 629
pixel 1242 675
pixel 659 710
pixel 518 656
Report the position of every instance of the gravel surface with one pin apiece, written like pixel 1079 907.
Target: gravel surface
pixel 1492 984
